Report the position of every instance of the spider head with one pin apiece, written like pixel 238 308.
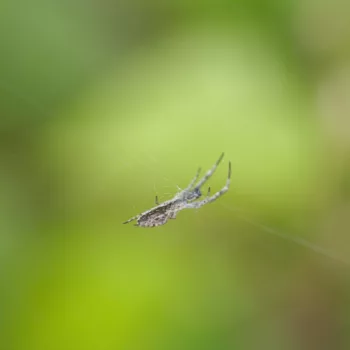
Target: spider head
pixel 193 195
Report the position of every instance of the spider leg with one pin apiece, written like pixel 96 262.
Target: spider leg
pixel 190 185
pixel 208 194
pixel 209 173
pixel 157 203
pixel 215 196
pixel 131 219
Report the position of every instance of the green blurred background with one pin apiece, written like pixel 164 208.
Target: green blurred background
pixel 106 104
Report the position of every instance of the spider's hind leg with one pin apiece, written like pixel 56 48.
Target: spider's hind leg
pixel 131 219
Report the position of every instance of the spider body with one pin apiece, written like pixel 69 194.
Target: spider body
pixel 191 195
pixel 159 215
pixel 185 199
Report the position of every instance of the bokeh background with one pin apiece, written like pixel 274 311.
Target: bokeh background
pixel 106 104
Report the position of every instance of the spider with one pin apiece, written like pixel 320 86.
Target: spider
pixel 161 213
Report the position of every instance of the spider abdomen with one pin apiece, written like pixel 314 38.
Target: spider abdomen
pixel 155 217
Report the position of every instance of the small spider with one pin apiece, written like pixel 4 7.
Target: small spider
pixel 184 199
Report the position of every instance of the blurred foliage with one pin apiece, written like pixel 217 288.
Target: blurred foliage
pixel 106 104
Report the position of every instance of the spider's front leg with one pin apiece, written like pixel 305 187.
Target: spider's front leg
pixel 190 185
pixel 215 196
pixel 209 173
